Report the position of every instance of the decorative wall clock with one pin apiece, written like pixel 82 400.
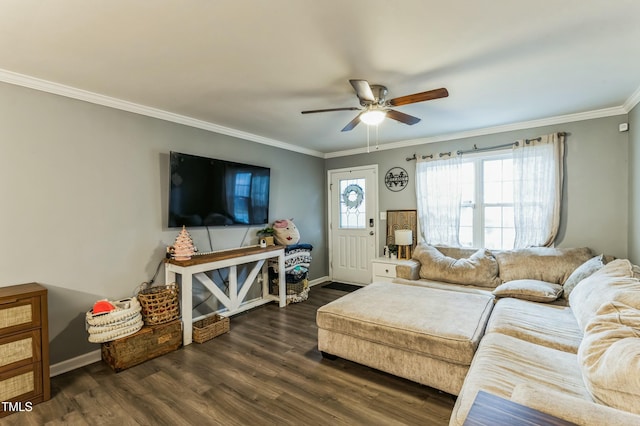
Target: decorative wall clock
pixel 396 179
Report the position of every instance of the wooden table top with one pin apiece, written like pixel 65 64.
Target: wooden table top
pixel 223 255
pixel 491 410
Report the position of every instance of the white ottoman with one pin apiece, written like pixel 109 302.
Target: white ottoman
pixel 422 334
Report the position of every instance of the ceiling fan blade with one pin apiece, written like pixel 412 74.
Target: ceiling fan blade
pixel 402 117
pixel 419 97
pixel 363 90
pixel 331 109
pixel 353 123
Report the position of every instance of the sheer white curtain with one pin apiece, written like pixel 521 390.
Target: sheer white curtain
pixel 439 193
pixel 538 175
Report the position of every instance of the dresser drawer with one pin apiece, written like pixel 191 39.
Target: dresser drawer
pixel 384 270
pixel 19 349
pixel 21 384
pixel 19 313
pixel 24 347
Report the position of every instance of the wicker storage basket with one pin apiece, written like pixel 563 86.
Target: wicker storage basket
pixel 210 327
pixel 159 304
pixel 150 342
pixel 291 288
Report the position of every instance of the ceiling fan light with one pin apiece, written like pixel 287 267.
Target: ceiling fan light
pixel 373 117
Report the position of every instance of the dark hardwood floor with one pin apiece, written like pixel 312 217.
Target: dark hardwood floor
pixel 266 371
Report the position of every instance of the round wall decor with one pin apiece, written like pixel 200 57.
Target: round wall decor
pixel 396 179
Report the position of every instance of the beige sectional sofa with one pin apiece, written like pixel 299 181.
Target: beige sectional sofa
pixel 573 355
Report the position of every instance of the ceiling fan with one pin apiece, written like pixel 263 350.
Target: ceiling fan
pixel 376 107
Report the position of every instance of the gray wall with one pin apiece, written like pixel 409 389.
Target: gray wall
pixel 84 193
pixel 634 185
pixel 595 205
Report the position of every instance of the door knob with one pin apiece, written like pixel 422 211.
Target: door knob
pixel 370 232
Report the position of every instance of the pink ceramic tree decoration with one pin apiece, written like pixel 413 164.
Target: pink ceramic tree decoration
pixel 183 247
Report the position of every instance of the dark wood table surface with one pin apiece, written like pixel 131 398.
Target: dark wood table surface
pixel 491 410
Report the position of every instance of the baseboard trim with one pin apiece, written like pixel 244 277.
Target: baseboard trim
pixel 74 363
pixel 317 281
pixel 95 356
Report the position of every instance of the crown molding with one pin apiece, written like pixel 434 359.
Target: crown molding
pixel 98 99
pixel 632 101
pixel 523 125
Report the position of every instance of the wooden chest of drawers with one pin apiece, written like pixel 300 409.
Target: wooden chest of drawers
pixel 24 347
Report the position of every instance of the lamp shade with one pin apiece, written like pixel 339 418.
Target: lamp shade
pixel 403 237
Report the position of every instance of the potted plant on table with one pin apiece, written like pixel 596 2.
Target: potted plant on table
pixel 266 234
pixel 393 251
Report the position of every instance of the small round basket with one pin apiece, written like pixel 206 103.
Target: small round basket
pixel 160 304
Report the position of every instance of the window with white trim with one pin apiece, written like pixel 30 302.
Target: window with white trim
pixel 501 200
pixel 486 211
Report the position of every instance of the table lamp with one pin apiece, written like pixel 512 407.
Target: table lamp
pixel 404 241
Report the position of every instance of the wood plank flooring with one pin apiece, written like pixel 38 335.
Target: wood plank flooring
pixel 266 371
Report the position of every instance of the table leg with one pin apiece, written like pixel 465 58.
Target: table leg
pixel 169 276
pixel 282 283
pixel 186 309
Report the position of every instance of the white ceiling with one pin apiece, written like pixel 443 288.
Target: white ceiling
pixel 248 67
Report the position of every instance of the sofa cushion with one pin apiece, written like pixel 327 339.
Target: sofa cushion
pixel 583 271
pixel 613 282
pixel 445 325
pixel 503 362
pixel 547 325
pixel 609 356
pixel 553 265
pixel 480 269
pixel 533 290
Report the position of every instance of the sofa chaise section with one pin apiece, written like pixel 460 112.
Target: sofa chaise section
pixel 426 335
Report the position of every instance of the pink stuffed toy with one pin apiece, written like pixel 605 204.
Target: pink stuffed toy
pixel 286 233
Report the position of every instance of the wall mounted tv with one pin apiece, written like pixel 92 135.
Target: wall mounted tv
pixel 209 192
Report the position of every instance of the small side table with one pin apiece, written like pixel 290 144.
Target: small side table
pixel 384 268
pixel 491 410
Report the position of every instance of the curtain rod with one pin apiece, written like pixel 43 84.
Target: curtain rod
pixel 476 149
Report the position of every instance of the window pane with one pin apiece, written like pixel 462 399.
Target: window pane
pixel 508 238
pixel 507 217
pixel 466 236
pixel 352 203
pixel 492 170
pixel 507 191
pixel 507 169
pixel 492 238
pixel 492 192
pixel 466 216
pixel 493 217
pixel 498 203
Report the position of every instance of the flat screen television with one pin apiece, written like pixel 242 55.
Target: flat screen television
pixel 210 192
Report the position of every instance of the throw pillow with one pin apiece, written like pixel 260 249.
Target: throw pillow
pixel 285 232
pixel 608 357
pixel 583 271
pixel 480 269
pixel 613 282
pixel 533 290
pixel 553 265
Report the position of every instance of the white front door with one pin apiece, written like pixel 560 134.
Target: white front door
pixel 353 211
